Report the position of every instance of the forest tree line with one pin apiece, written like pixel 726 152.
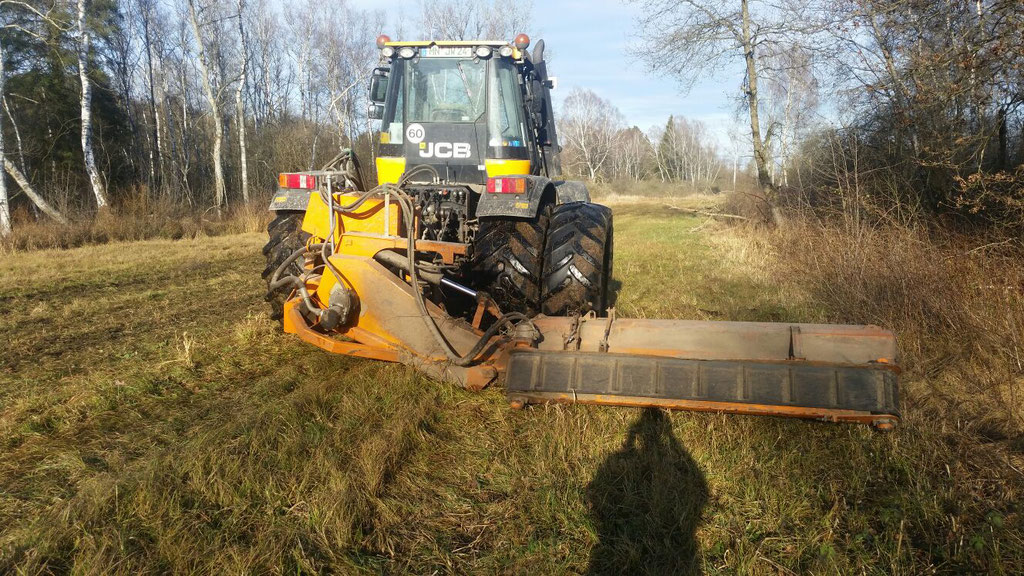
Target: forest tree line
pixel 893 109
pixel 197 102
pixel 877 109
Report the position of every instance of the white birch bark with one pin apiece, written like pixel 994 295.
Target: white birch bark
pixel 29 191
pixel 214 101
pixel 5 208
pixel 84 41
pixel 17 136
pixel 156 157
pixel 240 105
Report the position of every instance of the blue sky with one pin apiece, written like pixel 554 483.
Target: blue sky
pixel 588 40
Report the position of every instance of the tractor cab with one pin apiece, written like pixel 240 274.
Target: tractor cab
pixel 463 108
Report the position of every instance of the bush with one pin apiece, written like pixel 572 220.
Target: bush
pixel 137 218
pixel 956 307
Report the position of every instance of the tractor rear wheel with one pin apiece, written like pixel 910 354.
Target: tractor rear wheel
pixel 286 236
pixel 508 260
pixel 577 260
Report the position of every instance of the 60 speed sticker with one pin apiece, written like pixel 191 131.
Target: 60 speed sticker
pixel 415 133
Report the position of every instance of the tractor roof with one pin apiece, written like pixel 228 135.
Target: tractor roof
pixel 423 43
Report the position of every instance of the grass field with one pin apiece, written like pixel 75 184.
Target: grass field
pixel 153 420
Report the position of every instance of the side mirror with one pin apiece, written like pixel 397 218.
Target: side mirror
pixel 375 111
pixel 379 85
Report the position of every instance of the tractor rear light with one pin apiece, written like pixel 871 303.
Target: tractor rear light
pixel 407 52
pixel 483 52
pixel 506 185
pixel 505 51
pixel 301 181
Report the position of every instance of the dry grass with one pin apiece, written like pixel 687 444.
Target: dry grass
pixel 957 306
pixel 137 218
pixel 631 190
pixel 121 452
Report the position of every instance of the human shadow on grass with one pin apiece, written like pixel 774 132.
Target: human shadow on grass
pixel 646 501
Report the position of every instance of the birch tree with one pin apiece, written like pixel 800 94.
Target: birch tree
pixel 31 192
pixel 240 105
pixel 589 124
pixel 84 42
pixel 213 99
pixel 474 19
pixel 156 151
pixel 5 208
pixel 7 166
pixel 708 34
pixel 633 154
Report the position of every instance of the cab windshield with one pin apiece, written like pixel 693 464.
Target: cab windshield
pixel 446 90
pixel 429 90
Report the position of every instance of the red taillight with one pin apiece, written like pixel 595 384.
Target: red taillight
pixel 303 181
pixel 506 185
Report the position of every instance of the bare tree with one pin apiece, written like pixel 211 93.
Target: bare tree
pixel 708 34
pixel 29 191
pixel 474 19
pixel 633 154
pixel 792 97
pixel 686 153
pixel 589 124
pixel 8 166
pixel 213 98
pixel 5 209
pixel 84 42
pixel 147 16
pixel 239 105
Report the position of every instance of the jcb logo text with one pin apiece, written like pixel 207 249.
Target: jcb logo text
pixel 445 150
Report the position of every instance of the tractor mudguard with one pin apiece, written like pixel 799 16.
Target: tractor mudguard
pixel 526 205
pixel 571 191
pixel 291 199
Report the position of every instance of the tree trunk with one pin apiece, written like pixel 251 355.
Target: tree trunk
pixel 5 208
pixel 764 178
pixel 17 137
pixel 84 40
pixel 218 119
pixel 31 192
pixel 156 170
pixel 240 105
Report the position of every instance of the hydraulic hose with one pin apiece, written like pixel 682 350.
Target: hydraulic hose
pixel 277 281
pixel 406 204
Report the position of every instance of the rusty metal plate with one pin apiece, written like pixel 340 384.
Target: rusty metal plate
pixel 863 393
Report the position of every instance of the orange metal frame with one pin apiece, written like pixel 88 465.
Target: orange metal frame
pixel 386 325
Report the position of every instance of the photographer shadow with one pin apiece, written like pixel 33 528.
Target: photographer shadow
pixel 646 501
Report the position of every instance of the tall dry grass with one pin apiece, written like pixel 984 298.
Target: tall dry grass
pixel 135 217
pixel 955 302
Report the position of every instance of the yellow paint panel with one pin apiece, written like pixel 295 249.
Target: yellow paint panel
pixel 497 168
pixel 371 218
pixel 389 170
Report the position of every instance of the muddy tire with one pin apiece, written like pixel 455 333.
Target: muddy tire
pixel 577 260
pixel 508 258
pixel 286 236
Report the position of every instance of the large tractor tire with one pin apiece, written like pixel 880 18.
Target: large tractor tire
pixel 508 258
pixel 577 260
pixel 286 236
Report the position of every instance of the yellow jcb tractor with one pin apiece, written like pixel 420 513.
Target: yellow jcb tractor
pixel 475 262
